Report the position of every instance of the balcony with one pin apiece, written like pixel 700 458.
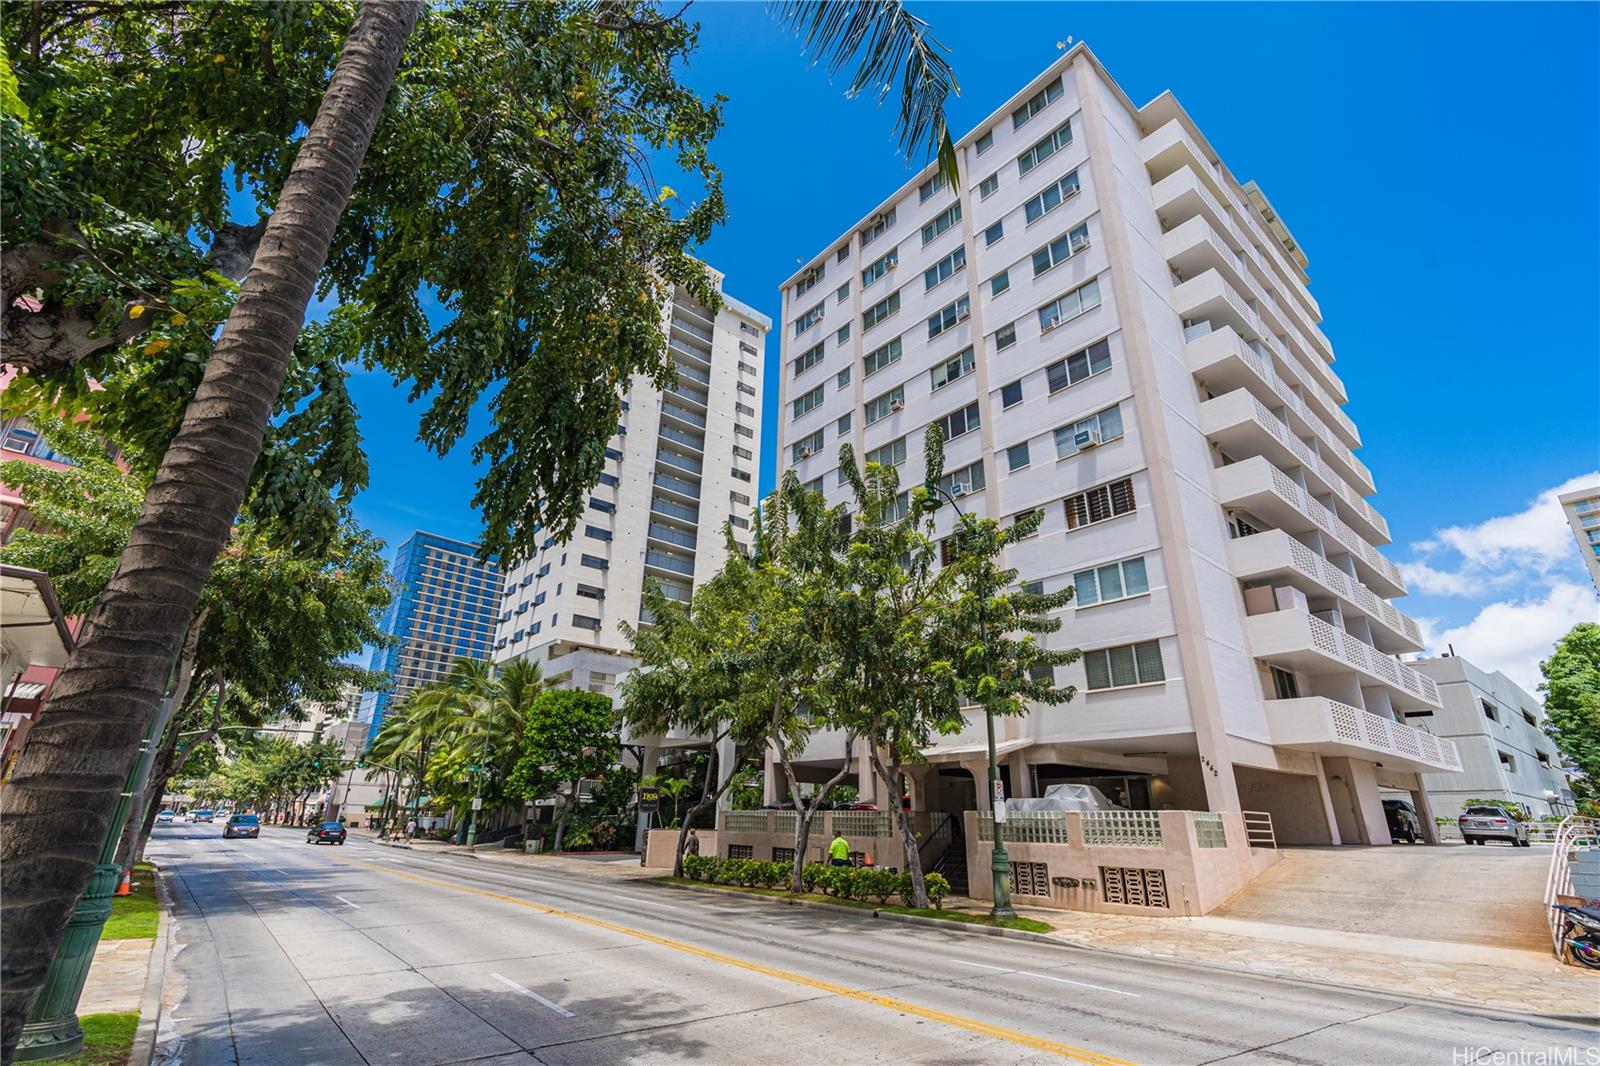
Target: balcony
pixel 1225 361
pixel 693 374
pixel 1244 426
pixel 682 414
pixel 1329 727
pixel 1298 640
pixel 677 485
pixel 686 354
pixel 696 441
pixel 668 535
pixel 1277 557
pixel 679 511
pixel 1209 296
pixel 678 462
pixel 692 330
pixel 694 398
pixel 1256 485
pixel 661 560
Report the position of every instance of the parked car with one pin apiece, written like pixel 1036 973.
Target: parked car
pixel 241 825
pixel 1479 824
pixel 164 817
pixel 200 816
pixel 326 833
pixel 1403 821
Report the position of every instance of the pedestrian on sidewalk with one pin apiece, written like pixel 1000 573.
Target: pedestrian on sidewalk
pixel 411 828
pixel 692 845
pixel 839 850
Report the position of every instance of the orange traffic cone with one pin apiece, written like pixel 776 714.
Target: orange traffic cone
pixel 125 886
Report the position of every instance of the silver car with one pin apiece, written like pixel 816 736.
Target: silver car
pixel 1479 824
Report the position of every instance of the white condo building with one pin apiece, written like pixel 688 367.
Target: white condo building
pixel 1113 329
pixel 683 464
pixel 1582 509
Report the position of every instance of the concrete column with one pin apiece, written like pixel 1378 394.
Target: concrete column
pixel 866 777
pixel 727 751
pixel 648 757
pixel 1419 800
pixel 1021 778
pixel 979 769
pixel 1327 803
pixel 771 785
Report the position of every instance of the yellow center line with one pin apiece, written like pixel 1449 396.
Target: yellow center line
pixel 971 1025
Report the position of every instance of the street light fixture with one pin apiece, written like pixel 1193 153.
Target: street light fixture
pixel 1000 862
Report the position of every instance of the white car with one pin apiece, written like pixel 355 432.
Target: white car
pixel 164 817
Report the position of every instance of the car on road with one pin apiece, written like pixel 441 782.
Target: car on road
pixel 326 833
pixel 200 816
pixel 164 817
pixel 242 825
pixel 1403 821
pixel 1483 823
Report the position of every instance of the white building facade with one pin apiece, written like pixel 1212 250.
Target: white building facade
pixel 1114 330
pixel 1497 727
pixel 1582 509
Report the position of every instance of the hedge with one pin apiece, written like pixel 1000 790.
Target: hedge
pixel 846 882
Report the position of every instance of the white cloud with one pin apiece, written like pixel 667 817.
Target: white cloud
pixel 1513 636
pixel 1497 550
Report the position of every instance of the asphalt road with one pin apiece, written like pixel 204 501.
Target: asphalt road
pixel 300 955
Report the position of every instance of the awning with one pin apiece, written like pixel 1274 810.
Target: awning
pixel 957 753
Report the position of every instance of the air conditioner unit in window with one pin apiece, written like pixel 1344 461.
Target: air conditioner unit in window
pixel 1080 244
pixel 805 453
pixel 1087 438
pixel 960 488
pixel 898 405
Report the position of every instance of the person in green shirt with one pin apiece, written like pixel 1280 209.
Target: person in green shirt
pixel 839 850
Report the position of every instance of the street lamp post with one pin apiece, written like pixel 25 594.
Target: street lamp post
pixel 1000 862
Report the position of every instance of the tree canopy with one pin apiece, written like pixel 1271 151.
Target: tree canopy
pixel 1572 704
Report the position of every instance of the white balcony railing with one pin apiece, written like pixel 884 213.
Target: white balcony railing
pixel 1305 642
pixel 1315 723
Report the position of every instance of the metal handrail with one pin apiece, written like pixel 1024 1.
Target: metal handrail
pixel 1575 834
pixel 1258 829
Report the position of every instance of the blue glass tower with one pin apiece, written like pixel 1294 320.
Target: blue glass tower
pixel 443 610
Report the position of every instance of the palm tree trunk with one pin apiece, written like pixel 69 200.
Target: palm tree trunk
pixel 57 810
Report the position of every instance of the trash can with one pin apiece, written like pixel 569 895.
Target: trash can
pixel 531 847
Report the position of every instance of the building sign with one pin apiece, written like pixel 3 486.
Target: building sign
pixel 649 800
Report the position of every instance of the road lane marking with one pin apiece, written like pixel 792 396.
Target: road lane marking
pixel 971 1025
pixel 648 903
pixel 1045 977
pixel 536 997
pixel 347 903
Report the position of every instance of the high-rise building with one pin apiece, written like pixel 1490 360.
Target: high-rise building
pixel 1113 329
pixel 1582 509
pixel 443 610
pixel 681 467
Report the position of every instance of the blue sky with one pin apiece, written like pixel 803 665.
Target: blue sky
pixel 1437 162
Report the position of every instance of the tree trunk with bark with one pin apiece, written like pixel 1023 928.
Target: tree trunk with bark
pixel 708 798
pixel 806 812
pixel 890 775
pixel 56 812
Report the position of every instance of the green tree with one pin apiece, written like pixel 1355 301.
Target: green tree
pixel 1572 705
pixel 568 736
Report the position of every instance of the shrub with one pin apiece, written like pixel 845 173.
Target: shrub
pixel 938 888
pixel 700 867
pixel 880 884
pixel 808 875
pixel 774 873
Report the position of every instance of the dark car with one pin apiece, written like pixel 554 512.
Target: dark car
pixel 1403 821
pixel 1481 823
pixel 201 815
pixel 242 825
pixel 326 833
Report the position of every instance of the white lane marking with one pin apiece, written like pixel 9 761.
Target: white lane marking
pixel 347 903
pixel 1046 977
pixel 648 903
pixel 531 994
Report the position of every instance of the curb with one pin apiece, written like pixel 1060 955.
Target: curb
pixel 1068 945
pixel 143 1051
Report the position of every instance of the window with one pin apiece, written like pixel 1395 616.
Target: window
pixel 842 378
pixel 612 453
pixel 748 390
pixel 843 334
pixel 1061 249
pixel 809 279
pixel 609 480
pixel 739 498
pixel 941 222
pixel 1113 581
pixel 742 475
pixel 1017 456
pixel 898 509
pixel 988 186
pixel 1284 686
pixel 743 431
pixel 1036 103
pixel 961 420
pixel 960 482
pixel 944 269
pixel 1011 394
pixel 947 316
pixel 595 562
pixel 993 234
pixel 814 485
pixel 1544 759
pixel 805 449
pixel 1069 305
pixel 748 348
pixel 1053 196
pixel 1507 761
pixel 844 255
pixel 880 266
pixel 986 142
pixel 809 402
pixel 1058 139
pixel 1527 716
pixel 747 368
pixel 597 533
pixel 1000 283
pixel 959 366
pixel 742 523
pixel 583 621
pixel 809 319
pixel 930 188
pixel 1129 664
pixel 877 227
pixel 1076 436
pixel 808 359
pixel 891 454
pixel 879 358
pixel 881 407
pixel 880 310
pixel 842 426
pixel 1005 336
pixel 1079 366
pixel 1489 711
pixel 842 293
pixel 603 506
pixel 1100 503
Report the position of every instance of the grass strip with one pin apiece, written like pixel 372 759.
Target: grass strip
pixel 136 915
